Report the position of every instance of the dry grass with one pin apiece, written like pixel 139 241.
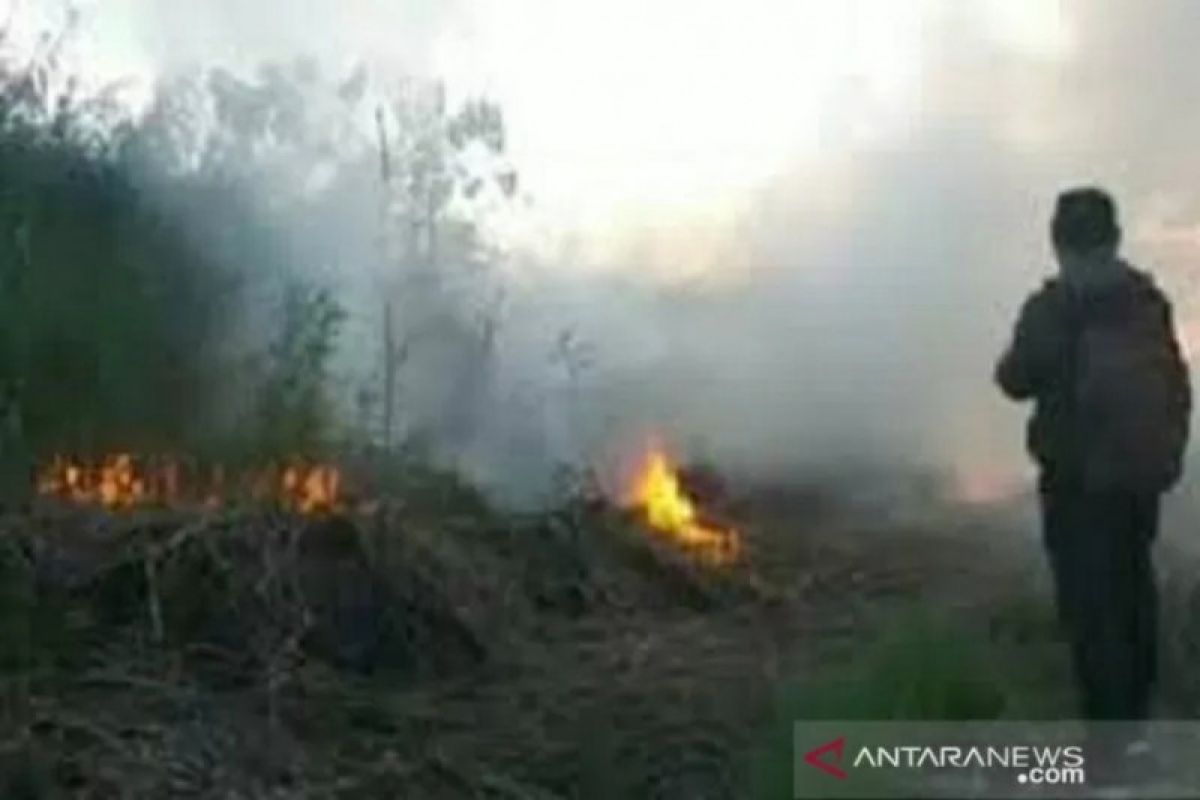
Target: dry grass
pixel 257 654
pixel 421 652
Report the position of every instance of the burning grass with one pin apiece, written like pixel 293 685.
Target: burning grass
pixel 123 481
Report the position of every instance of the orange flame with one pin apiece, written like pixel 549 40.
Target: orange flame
pixel 313 490
pixel 113 482
pixel 120 481
pixel 658 495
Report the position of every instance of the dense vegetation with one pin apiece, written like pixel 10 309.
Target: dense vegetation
pixel 110 313
pixel 169 281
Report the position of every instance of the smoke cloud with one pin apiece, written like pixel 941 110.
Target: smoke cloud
pixel 845 309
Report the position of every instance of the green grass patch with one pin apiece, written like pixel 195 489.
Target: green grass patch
pixel 924 665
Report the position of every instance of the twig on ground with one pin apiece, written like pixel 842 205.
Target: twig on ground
pixel 153 600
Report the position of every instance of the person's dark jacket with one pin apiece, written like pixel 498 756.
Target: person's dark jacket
pixel 1037 365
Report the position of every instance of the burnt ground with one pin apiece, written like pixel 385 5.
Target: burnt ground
pixel 431 650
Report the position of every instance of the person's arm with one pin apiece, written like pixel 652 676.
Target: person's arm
pixel 1026 366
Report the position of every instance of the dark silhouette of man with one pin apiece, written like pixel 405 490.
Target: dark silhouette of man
pixel 1095 350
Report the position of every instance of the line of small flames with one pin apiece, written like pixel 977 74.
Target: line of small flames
pixel 121 481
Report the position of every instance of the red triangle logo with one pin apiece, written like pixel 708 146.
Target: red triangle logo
pixel 814 758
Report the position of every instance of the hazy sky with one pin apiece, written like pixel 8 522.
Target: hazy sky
pixel 620 109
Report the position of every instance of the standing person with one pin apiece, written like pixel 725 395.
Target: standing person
pixel 1095 350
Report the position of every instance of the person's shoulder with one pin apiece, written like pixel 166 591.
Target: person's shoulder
pixel 1049 295
pixel 1146 287
pixel 1044 307
pixel 1051 286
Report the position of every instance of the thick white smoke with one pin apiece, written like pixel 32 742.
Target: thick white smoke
pixel 849 309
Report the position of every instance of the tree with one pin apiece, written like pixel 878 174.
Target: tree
pixel 293 405
pixel 110 312
pixel 439 167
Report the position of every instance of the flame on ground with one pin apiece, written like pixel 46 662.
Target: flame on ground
pixel 658 495
pixel 313 490
pixel 121 481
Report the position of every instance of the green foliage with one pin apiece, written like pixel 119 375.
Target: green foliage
pixel 924 666
pixel 135 253
pixel 108 314
pixel 109 308
pixel 920 668
pixel 294 411
pixel 125 253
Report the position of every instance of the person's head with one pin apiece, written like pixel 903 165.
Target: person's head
pixel 1085 223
